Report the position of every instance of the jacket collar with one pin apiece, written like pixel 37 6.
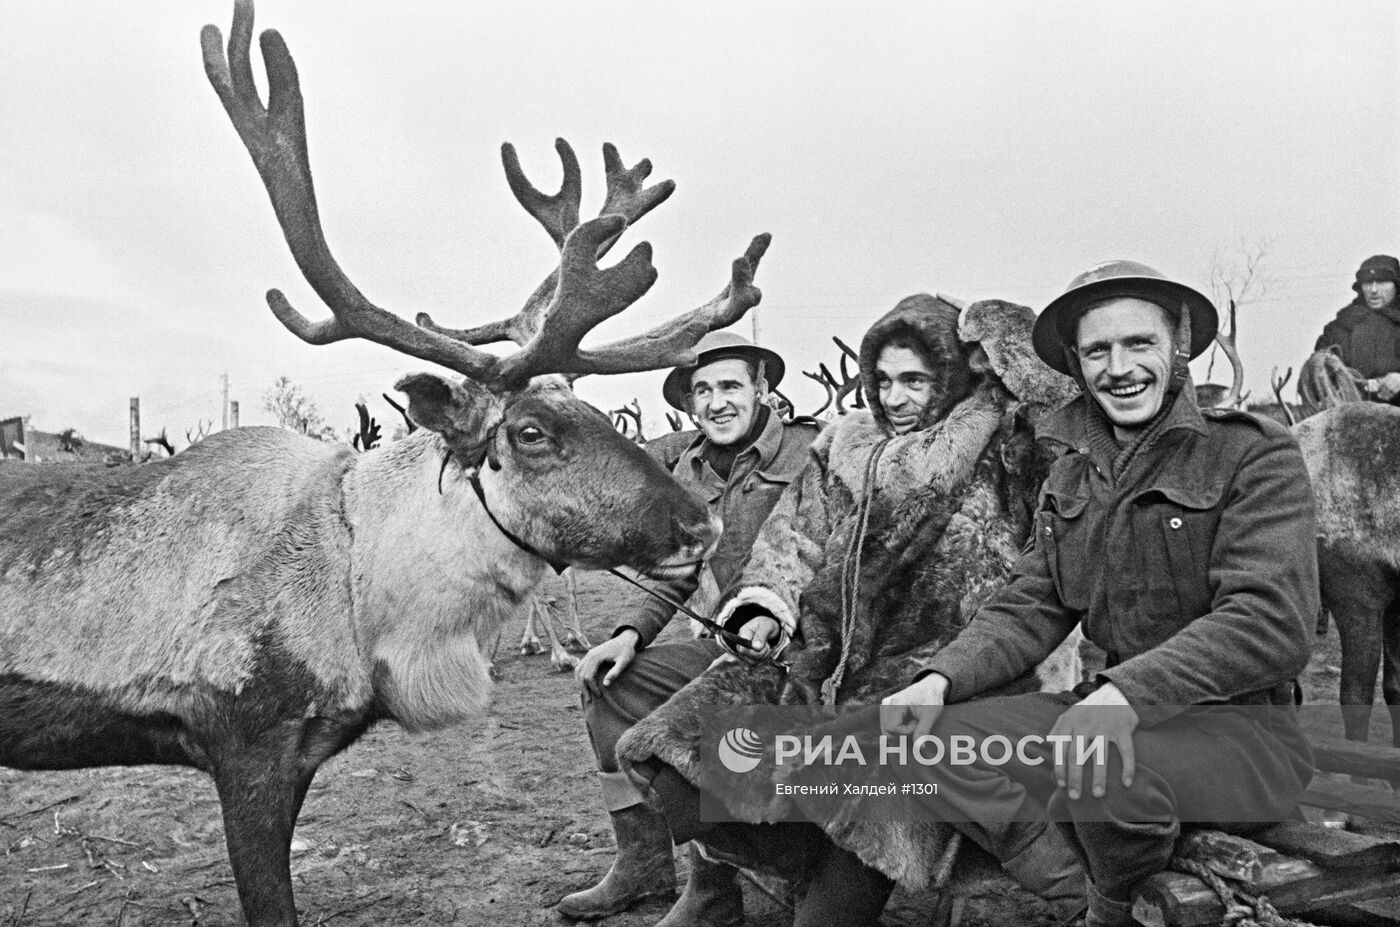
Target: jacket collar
pixel 1069 426
pixel 766 445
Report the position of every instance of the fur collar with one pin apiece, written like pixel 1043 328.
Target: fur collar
pixel 939 456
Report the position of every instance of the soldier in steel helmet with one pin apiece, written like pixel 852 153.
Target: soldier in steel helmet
pixel 741 461
pixel 1366 332
pixel 1183 541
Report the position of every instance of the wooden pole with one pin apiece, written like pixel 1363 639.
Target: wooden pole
pixel 233 413
pixel 135 428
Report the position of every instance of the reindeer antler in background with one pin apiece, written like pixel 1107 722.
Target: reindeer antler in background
pixel 1227 344
pixel 367 436
pixel 849 383
pixel 823 376
pixel 628 420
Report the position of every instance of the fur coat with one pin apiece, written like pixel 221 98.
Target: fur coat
pixel 880 552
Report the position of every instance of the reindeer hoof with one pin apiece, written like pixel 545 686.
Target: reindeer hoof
pixel 531 647
pixel 564 662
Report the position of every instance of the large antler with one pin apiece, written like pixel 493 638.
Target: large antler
pixel 580 294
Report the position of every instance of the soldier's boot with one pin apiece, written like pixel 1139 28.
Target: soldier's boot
pixel 643 867
pixel 1052 866
pixel 712 896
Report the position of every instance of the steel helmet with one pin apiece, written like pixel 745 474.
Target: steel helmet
pixel 719 346
pixel 1054 329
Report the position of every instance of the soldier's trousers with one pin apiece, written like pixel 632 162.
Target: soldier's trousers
pixel 1235 769
pixel 653 676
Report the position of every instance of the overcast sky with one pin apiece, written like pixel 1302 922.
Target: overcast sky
pixel 976 149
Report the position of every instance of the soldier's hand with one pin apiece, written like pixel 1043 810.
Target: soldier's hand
pixel 913 710
pixel 1105 713
pixel 614 654
pixel 760 633
pixel 1388 387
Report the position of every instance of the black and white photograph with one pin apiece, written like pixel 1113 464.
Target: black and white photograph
pixel 476 463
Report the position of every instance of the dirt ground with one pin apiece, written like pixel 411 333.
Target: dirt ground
pixel 489 823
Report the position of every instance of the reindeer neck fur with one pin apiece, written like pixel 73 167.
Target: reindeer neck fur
pixel 432 581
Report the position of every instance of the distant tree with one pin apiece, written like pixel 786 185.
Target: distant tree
pixel 69 440
pixel 296 411
pixel 1236 278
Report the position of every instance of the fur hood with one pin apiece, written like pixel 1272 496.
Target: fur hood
pixel 930 324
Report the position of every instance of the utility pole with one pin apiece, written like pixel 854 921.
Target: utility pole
pixel 753 316
pixel 233 413
pixel 224 404
pixel 135 428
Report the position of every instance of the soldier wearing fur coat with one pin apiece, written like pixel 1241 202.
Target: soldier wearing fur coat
pixel 875 557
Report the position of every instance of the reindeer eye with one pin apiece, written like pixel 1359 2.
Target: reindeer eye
pixel 529 435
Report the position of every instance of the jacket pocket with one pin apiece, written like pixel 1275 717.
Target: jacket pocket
pixel 1062 534
pixel 1186 519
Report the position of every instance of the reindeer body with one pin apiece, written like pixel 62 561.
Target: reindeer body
pixel 1351 452
pixel 251 606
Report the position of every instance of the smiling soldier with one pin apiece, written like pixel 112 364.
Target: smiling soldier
pixel 1183 541
pixel 744 458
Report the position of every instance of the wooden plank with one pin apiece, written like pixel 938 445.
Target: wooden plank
pixel 1332 848
pixel 1174 899
pixel 1375 804
pixel 1364 914
pixel 1356 758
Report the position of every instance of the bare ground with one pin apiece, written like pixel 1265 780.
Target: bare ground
pixel 489 823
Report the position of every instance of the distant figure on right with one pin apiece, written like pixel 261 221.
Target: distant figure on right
pixel 1366 332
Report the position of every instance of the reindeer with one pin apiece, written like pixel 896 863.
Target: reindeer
pixel 252 605
pixel 1350 451
pixel 1348 446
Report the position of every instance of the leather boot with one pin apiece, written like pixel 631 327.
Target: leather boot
pixel 712 896
pixel 643 867
pixel 1106 912
pixel 1052 866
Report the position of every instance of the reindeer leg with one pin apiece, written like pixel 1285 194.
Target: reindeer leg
pixel 1390 681
pixel 573 617
pixel 559 655
pixel 1358 596
pixel 261 787
pixel 530 638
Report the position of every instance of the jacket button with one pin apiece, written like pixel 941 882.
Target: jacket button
pixel 1174 523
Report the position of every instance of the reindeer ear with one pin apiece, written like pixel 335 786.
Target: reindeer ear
pixel 459 411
